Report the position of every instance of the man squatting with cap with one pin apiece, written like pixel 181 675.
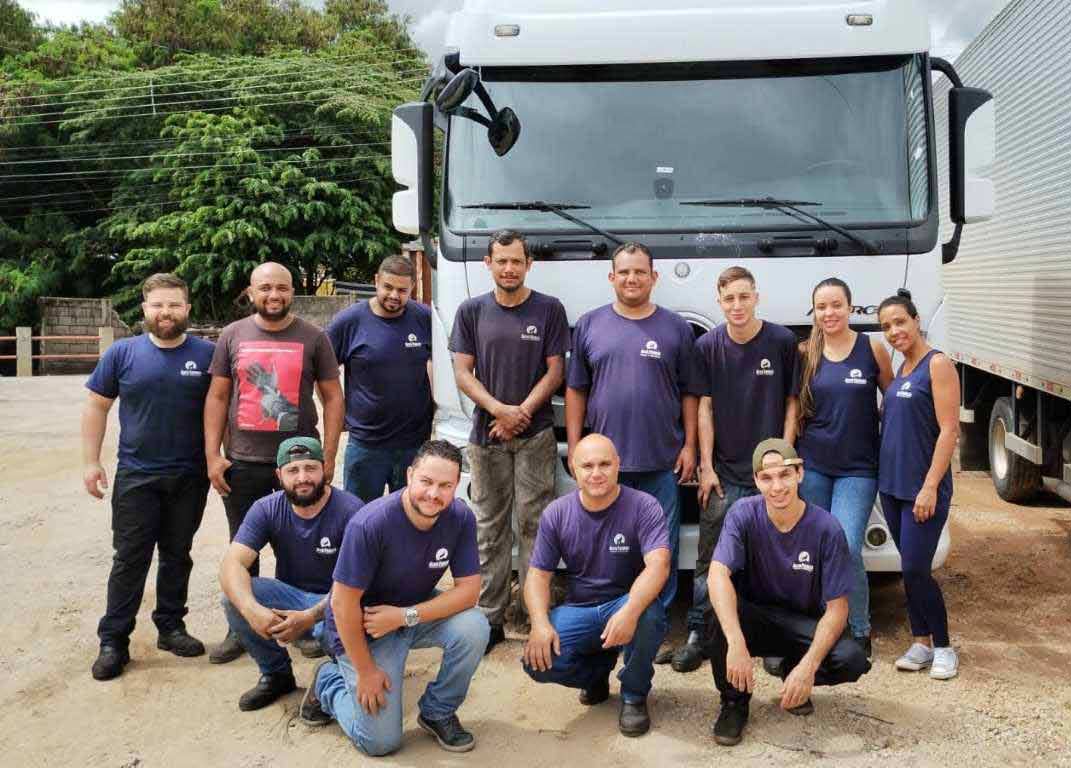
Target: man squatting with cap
pixel 304 523
pixel 779 583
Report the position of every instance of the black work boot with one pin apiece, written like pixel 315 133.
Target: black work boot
pixel 310 712
pixel 498 635
pixel 229 650
pixel 110 662
pixel 633 719
pixel 689 657
pixel 180 642
pixel 729 727
pixel 268 689
pixel 449 732
pixel 596 694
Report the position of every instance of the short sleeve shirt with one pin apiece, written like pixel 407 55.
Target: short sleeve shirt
pixel 388 395
pixel 272 376
pixel 800 570
pixel 161 395
pixel 305 550
pixel 603 551
pixel 635 373
pixel 511 346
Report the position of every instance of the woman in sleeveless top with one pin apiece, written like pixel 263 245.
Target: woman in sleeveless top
pixel 842 373
pixel 919 427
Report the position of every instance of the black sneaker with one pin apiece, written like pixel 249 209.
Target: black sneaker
pixel 310 647
pixel 803 710
pixel 596 694
pixel 664 655
pixel 229 650
pixel 498 635
pixel 729 727
pixel 110 662
pixel 181 643
pixel 267 690
pixel 310 712
pixel 867 646
pixel 449 733
pixel 633 719
pixel 689 657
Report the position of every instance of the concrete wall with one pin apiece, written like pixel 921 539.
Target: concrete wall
pixel 74 317
pixel 321 309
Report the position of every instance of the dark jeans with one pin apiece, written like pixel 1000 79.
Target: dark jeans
pixel 662 484
pixel 778 632
pixel 149 512
pixel 249 481
pixel 368 468
pixel 711 520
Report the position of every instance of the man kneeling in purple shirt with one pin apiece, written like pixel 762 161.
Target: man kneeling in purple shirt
pixel 779 583
pixel 615 545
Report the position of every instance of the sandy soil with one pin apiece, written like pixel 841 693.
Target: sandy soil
pixel 1007 584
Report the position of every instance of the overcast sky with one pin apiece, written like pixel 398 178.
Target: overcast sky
pixel 954 23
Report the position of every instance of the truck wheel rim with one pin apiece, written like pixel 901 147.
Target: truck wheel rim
pixel 999 453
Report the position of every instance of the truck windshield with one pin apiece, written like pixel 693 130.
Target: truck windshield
pixel 634 142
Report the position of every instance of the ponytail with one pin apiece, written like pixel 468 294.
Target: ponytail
pixel 812 350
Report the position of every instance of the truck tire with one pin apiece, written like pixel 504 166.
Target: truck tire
pixel 1015 478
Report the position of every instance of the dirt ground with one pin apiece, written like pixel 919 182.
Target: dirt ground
pixel 1006 582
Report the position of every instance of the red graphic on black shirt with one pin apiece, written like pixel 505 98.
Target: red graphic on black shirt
pixel 269 385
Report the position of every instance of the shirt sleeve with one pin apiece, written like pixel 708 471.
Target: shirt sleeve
pixel 358 558
pixel 221 356
pixel 702 368
pixel 338 333
pixel 731 551
pixel 255 531
pixel 687 381
pixel 651 528
pixel 837 572
pixel 557 330
pixel 463 337
pixel 325 360
pixel 466 559
pixel 105 377
pixel 546 553
pixel 579 376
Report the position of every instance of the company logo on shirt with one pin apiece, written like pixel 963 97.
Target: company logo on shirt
pixel 412 341
pixel 531 333
pixel 855 376
pixel 325 547
pixel 442 559
pixel 619 544
pixel 650 349
pixel 190 369
pixel 765 368
pixel 905 390
pixel 804 563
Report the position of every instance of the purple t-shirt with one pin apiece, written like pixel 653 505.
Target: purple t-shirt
pixel 603 551
pixel 305 550
pixel 801 570
pixel 511 346
pixel 388 396
pixel 748 385
pixel 635 373
pixel 395 563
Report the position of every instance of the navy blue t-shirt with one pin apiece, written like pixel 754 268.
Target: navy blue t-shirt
pixel 388 396
pixel 635 373
pixel 511 346
pixel 396 563
pixel 800 570
pixel 748 385
pixel 161 402
pixel 305 550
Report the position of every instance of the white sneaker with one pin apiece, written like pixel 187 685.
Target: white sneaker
pixel 917 658
pixel 945 664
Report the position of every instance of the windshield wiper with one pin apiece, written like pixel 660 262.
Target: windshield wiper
pixel 559 209
pixel 790 205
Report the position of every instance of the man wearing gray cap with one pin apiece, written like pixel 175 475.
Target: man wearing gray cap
pixel 304 523
pixel 779 583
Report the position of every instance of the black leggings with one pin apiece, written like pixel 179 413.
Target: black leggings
pixel 248 482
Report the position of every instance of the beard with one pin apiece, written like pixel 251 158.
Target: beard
pixel 277 314
pixel 178 327
pixel 306 499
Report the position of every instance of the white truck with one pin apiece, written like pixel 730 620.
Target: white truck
pixel 1008 293
pixel 793 137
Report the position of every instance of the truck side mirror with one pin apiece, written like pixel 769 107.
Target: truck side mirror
pixel 972 143
pixel 411 149
pixel 455 92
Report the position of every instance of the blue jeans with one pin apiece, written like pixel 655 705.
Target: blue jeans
pixel 583 661
pixel 662 484
pixel 271 593
pixel 463 638
pixel 710 522
pixel 369 468
pixel 849 499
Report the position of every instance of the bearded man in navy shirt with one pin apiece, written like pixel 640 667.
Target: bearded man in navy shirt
pixel 779 583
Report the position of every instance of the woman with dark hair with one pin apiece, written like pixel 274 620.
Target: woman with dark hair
pixel 842 371
pixel 919 427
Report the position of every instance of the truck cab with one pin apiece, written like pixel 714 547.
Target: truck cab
pixel 679 126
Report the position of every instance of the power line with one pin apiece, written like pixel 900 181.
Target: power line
pixel 185 154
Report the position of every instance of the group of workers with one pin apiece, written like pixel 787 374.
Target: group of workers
pixel 787 441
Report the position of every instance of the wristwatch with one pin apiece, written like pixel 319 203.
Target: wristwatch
pixel 412 617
